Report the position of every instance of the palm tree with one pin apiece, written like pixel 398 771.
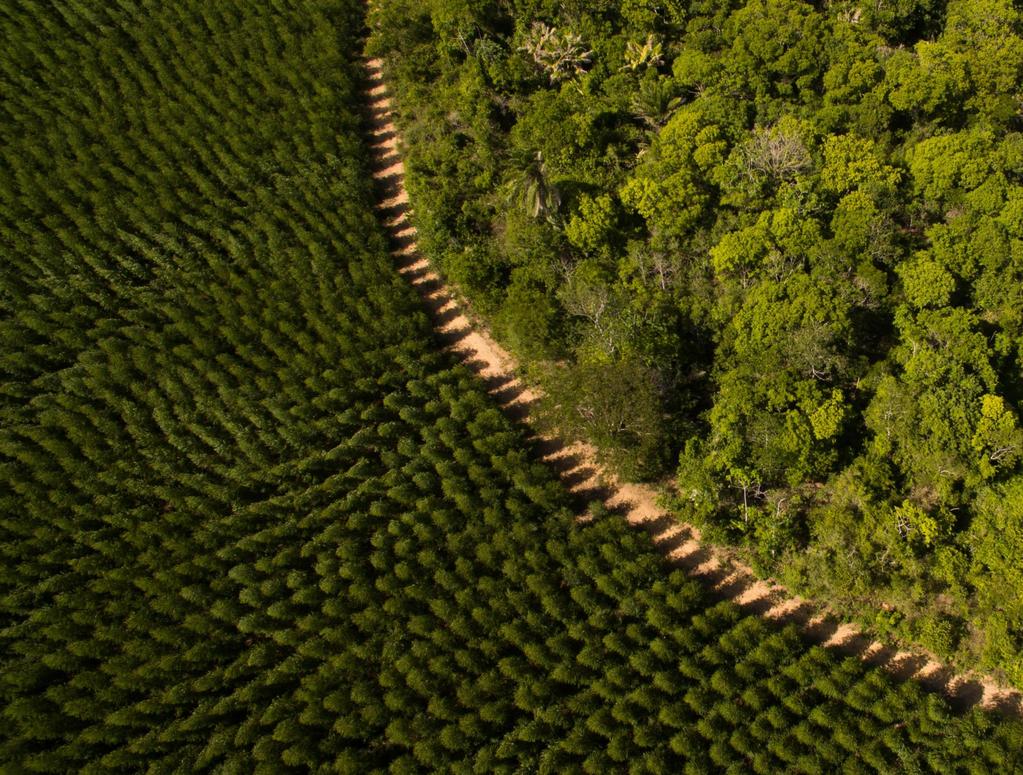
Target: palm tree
pixel 647 54
pixel 531 185
pixel 655 101
pixel 560 54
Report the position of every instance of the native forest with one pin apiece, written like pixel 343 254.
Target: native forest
pixel 256 516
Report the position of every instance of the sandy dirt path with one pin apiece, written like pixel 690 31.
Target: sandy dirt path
pixel 576 463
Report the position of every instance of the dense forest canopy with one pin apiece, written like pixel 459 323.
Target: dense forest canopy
pixel 794 232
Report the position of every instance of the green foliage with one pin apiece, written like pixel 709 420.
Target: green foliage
pixel 252 520
pixel 615 406
pixel 852 162
pixel 593 226
pixel 803 221
pixel 926 282
pixel 998 436
pixel 974 65
pixel 775 416
pixel 775 47
pixel 997 571
pixel 655 100
pixel 532 186
pixel 670 190
pixel 944 166
pixel 529 319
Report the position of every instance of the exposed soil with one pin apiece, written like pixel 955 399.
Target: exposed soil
pixel 577 467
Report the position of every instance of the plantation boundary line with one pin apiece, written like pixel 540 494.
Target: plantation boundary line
pixel 577 467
